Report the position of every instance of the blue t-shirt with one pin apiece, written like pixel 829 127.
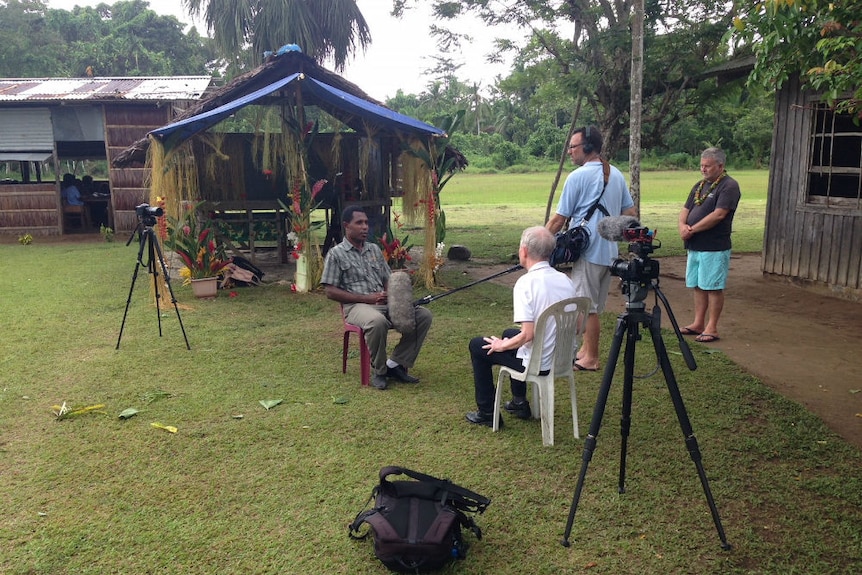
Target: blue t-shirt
pixel 582 188
pixel 72 196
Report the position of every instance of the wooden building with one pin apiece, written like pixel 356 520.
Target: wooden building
pixel 813 233
pixel 54 121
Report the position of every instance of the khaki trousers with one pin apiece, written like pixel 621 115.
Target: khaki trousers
pixel 374 321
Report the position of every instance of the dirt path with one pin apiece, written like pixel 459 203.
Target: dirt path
pixel 802 344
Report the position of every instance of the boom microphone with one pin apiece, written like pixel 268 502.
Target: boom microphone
pixel 612 228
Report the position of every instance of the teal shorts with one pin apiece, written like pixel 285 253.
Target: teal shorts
pixel 707 270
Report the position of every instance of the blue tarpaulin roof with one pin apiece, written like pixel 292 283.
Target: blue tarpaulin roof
pixel 314 91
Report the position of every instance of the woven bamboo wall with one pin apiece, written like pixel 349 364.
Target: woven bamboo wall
pixel 124 125
pixel 30 209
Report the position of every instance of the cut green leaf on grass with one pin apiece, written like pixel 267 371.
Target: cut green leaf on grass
pixel 270 403
pixel 127 413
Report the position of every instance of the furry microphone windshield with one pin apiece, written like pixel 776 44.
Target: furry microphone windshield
pixel 402 314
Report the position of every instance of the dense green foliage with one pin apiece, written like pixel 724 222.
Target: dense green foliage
pixel 819 40
pixel 123 39
pixel 578 57
pixel 577 63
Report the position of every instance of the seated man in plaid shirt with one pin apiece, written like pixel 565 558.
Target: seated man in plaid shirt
pixel 356 275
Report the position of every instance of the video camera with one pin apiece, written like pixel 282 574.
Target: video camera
pixel 638 271
pixel 148 214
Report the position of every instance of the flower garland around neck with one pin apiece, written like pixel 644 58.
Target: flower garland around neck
pixel 699 198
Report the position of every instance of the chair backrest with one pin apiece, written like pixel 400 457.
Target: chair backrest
pixel 570 317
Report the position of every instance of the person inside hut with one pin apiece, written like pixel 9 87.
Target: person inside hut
pixel 70 193
pixel 356 275
pixel 88 188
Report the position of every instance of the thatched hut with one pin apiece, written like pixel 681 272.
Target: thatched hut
pixel 270 136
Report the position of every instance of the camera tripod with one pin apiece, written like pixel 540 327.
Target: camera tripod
pixel 147 238
pixel 628 326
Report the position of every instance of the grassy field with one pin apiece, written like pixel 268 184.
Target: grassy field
pixel 241 489
pixel 488 212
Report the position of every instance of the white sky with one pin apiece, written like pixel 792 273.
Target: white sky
pixel 399 49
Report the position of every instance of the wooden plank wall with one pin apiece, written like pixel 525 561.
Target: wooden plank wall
pixel 124 125
pixel 808 244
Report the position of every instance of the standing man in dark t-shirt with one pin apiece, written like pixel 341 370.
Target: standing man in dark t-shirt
pixel 705 224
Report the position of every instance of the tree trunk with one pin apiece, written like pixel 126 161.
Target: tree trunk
pixel 636 101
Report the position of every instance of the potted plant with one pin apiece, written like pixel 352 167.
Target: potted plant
pixel 194 240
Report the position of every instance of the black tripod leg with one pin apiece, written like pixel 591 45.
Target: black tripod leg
pixel 128 301
pixel 595 423
pixel 685 424
pixel 632 335
pixel 151 268
pixel 138 265
pixel 171 291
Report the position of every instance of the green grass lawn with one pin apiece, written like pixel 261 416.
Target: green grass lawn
pixel 241 489
pixel 487 213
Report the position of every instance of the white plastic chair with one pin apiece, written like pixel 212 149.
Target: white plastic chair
pixel 570 316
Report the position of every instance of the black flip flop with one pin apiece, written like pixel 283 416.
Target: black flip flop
pixel 706 338
pixel 688 331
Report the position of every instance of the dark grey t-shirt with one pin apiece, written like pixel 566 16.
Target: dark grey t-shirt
pixel 725 196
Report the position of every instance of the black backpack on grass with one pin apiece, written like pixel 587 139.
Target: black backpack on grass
pixel 417 524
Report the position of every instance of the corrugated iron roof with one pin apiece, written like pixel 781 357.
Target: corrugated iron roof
pixel 152 88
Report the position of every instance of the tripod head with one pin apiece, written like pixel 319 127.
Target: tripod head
pixel 637 272
pixel 638 275
pixel 146 220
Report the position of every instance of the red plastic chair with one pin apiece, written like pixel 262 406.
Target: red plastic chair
pixel 364 354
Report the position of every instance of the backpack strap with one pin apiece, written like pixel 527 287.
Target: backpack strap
pixel 362 517
pixel 454 495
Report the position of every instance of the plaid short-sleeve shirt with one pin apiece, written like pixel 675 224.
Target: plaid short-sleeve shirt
pixel 358 271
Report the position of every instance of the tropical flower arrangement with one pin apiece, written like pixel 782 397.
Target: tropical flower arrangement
pixel 194 240
pixel 299 206
pixel 396 252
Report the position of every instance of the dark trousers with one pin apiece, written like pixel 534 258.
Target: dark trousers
pixel 483 375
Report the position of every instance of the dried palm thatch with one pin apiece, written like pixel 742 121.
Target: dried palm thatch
pixel 172 180
pixel 173 177
pixel 335 152
pixel 416 181
pixel 223 171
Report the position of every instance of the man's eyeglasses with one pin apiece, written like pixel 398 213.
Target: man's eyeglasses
pixel 575 146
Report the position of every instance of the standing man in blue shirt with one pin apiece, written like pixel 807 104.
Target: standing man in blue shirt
pixel 591 274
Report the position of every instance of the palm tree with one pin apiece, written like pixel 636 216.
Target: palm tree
pixel 321 28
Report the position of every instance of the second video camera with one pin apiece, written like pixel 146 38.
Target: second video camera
pixel 148 214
